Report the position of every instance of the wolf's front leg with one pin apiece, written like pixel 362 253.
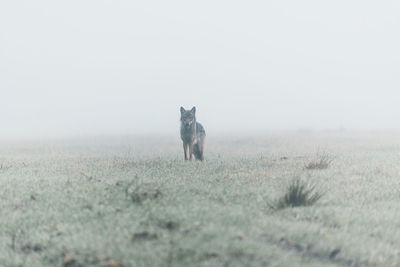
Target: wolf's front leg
pixel 185 150
pixel 190 151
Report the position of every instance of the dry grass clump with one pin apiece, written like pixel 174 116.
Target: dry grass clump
pixel 142 192
pixel 4 167
pixel 323 161
pixel 298 193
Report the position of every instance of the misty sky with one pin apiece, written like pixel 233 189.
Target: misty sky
pixel 124 67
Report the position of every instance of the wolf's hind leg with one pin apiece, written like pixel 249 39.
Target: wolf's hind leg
pixel 201 147
pixel 197 152
pixel 202 152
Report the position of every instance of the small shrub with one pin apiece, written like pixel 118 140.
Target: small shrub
pixel 298 193
pixel 144 236
pixel 323 162
pixel 110 262
pixel 140 193
pixel 169 225
pixel 27 248
pixel 70 261
pixel 142 196
pixel 4 167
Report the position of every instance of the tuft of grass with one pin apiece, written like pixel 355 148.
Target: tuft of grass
pixel 142 192
pixel 4 167
pixel 323 162
pixel 298 193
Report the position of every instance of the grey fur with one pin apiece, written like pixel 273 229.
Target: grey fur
pixel 192 134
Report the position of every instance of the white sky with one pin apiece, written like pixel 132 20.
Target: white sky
pixel 110 67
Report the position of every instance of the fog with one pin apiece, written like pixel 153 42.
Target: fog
pixel 70 68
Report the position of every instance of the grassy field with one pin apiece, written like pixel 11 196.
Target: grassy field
pixel 130 201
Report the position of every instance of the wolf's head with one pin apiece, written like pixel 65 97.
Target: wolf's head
pixel 188 117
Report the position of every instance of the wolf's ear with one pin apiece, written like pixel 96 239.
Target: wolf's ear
pixel 193 110
pixel 182 110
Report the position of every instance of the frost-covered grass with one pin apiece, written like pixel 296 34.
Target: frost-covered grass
pixel 135 202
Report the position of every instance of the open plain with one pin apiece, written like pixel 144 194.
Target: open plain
pixel 133 201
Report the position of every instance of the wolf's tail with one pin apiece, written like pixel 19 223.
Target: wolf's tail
pixel 197 152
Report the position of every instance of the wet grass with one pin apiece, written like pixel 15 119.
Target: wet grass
pixel 135 202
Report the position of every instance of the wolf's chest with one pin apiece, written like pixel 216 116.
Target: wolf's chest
pixel 189 135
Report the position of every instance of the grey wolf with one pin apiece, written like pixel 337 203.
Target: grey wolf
pixel 192 135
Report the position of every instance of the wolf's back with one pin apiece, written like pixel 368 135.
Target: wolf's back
pixel 200 129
